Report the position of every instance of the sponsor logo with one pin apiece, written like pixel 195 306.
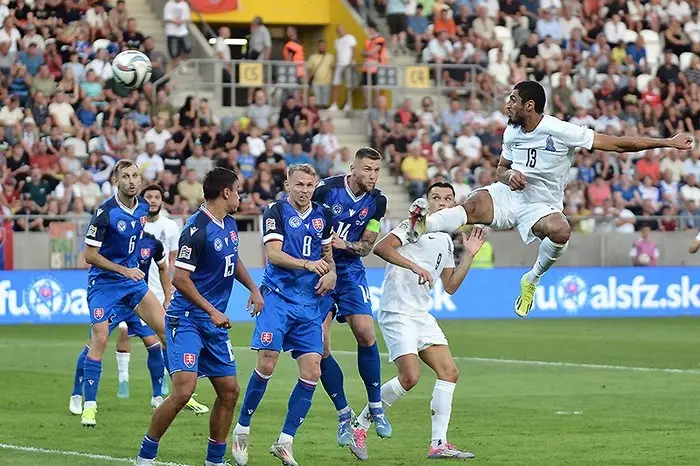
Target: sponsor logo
pixel 189 359
pixel 92 231
pixel 98 313
pixel 218 244
pixel 337 209
pixel 318 224
pixel 270 224
pixel 266 338
pixel 364 212
pixel 185 253
pixel 45 297
pixel 295 222
pixel 121 225
pixel 145 253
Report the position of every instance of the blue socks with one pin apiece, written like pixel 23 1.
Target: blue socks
pixel 216 451
pixel 79 367
pixel 369 366
pixel 298 406
pixel 149 448
pixel 253 394
pixel 91 378
pixel 332 380
pixel 156 367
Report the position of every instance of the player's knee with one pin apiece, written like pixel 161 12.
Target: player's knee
pixel 409 379
pixel 311 372
pixel 99 342
pixel 266 363
pixel 561 232
pixel 229 396
pixel 364 334
pixel 449 373
pixel 182 394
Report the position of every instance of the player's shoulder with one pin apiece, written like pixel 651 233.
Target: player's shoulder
pixel 332 182
pixel 275 208
pixel 196 225
pixel 106 206
pixel 555 126
pixel 510 133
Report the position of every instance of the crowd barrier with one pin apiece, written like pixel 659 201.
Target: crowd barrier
pixel 59 297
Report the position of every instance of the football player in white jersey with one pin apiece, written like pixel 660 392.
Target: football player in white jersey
pixel 409 330
pixel 167 232
pixel 532 173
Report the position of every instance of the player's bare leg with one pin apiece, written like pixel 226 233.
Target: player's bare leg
pixel 151 311
pixel 332 380
pixel 554 231
pixel 478 209
pixel 227 392
pixel 99 334
pixel 439 359
pixel 123 355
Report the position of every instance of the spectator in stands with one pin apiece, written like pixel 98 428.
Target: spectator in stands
pixel 198 163
pixel 63 113
pixel 414 170
pixel 548 25
pixel 644 251
pixel 293 52
pixel 27 207
pixel 176 16
pixel 259 111
pixel 37 187
pixel 31 58
pixel 649 166
pixel 345 45
pixel 690 191
pixel 9 33
pixel 445 23
pixel 562 99
pixel 256 144
pixel 485 28
pixel 289 115
pixel 342 165
pixel 375 54
pixel 264 190
pixel 326 139
pixel 668 72
pixel 7 57
pixel 550 52
pixel 191 190
pixel 453 118
pixel 397 21
pixel 158 135
pixel 297 156
pixel 320 66
pixel 417 29
pixel 90 191
pixel 692 164
pixel 569 23
pixel 469 146
pixel 150 163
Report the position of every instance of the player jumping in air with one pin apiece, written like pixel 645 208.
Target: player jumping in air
pixel 533 172
pixel 149 250
pixel 409 330
pixel 114 278
pixel 357 208
pixel 167 232
pixel 197 327
pixel 297 238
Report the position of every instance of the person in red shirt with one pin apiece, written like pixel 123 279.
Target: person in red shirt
pixel 598 192
pixel 45 161
pixel 649 166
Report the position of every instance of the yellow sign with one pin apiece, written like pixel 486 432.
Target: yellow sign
pixel 250 74
pixel 275 13
pixel 417 77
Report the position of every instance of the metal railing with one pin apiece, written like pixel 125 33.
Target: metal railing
pixel 275 77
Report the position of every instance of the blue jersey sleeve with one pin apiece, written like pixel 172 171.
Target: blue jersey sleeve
pixel 191 247
pixel 160 256
pixel 380 209
pixel 327 235
pixel 273 223
pixel 320 192
pixel 97 229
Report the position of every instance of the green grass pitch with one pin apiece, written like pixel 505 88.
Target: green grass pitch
pixel 506 412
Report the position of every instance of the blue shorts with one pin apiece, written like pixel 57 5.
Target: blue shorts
pixel 350 297
pixel 135 326
pixel 105 297
pixel 197 345
pixel 283 325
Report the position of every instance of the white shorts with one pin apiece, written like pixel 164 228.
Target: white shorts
pixel 511 210
pixel 407 334
pixel 339 75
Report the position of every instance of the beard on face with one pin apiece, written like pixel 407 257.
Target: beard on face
pixel 152 213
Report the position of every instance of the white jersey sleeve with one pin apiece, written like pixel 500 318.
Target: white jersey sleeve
pixel 172 236
pixel 401 232
pixel 450 256
pixel 507 143
pixel 574 136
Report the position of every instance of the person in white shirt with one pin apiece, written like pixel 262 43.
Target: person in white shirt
pixel 9 33
pixel 12 113
pixel 692 164
pixel 327 139
pixel 176 16
pixel 679 9
pixel 582 118
pixel 411 333
pixel 533 172
pixel 692 28
pixel 101 65
pixel 150 163
pixel 550 52
pixel 468 145
pixel 568 23
pixel 690 190
pixel 615 30
pixel 439 49
pixel 344 51
pixel 158 135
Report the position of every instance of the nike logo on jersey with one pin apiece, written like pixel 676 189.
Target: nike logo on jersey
pixel 193 230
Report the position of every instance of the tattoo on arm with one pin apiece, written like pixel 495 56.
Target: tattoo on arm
pixel 365 245
pixel 327 254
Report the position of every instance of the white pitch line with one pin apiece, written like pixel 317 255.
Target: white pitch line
pixel 46 451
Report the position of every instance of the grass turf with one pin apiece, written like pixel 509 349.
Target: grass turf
pixel 505 412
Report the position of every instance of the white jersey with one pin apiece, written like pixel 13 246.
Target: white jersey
pixel 544 157
pixel 168 233
pixel 401 292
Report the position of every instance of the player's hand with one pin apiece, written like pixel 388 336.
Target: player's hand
pixel 338 242
pixel 682 141
pixel 135 274
pixel 326 283
pixel 319 267
pixel 516 180
pixel 423 276
pixel 255 303
pixel 473 242
pixel 220 320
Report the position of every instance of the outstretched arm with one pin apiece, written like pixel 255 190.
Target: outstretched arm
pixel 387 249
pixel 635 144
pixel 452 278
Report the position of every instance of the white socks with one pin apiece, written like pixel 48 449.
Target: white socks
pixel 447 220
pixel 239 429
pixel 123 366
pixel 548 255
pixel 441 408
pixel 391 392
pixel 285 438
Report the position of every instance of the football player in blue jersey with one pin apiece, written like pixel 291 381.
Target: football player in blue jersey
pixel 197 326
pixel 149 250
pixel 357 208
pixel 299 271
pixel 114 278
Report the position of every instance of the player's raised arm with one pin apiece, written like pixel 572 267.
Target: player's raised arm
pixel 255 300
pixel 386 249
pixel 453 277
pixel 694 245
pixel 327 282
pixel 609 143
pixel 99 224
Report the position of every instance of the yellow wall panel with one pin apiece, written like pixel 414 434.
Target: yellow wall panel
pixel 276 12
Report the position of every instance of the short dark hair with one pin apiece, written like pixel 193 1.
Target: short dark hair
pixel 119 166
pixel 216 180
pixel 532 90
pixel 368 153
pixel 440 184
pixel 152 187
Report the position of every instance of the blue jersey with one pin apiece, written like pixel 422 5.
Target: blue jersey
pixel 302 236
pixel 208 248
pixel 351 214
pixel 116 230
pixel 150 249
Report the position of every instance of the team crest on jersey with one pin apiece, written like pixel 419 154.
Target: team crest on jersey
pixel 121 226
pixel 189 359
pixel 318 224
pixel 143 220
pixel 234 235
pixel 145 253
pixel 337 209
pixel 98 313
pixel 295 222
pixel 266 338
pixel 363 213
pixel 550 144
pixel 185 253
pixel 218 244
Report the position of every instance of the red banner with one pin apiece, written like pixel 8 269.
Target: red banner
pixel 214 6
